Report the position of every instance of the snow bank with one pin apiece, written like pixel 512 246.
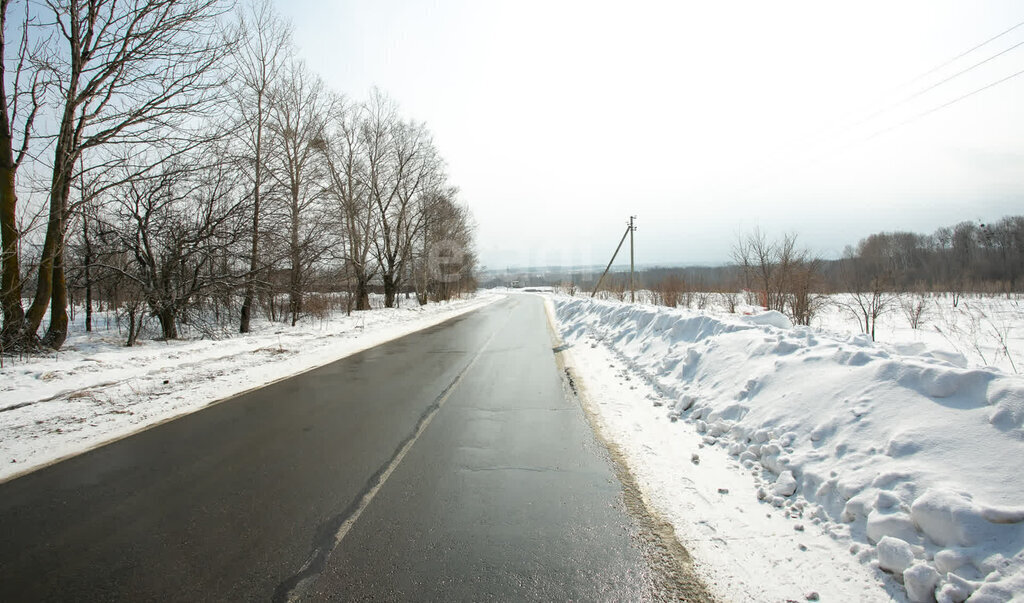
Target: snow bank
pixel 899 454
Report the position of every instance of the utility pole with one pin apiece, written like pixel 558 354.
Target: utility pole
pixel 629 233
pixel 632 290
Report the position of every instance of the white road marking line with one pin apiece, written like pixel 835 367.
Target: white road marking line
pixel 368 497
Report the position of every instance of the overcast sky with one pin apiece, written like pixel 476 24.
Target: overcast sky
pixel 560 119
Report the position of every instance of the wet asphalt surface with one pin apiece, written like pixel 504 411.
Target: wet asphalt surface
pixel 487 483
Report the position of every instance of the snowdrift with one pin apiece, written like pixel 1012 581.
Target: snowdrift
pixel 915 459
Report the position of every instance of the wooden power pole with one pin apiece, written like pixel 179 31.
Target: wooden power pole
pixel 629 232
pixel 632 289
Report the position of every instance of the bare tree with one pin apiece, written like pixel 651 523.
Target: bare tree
pixel 382 178
pixel 176 225
pixel 265 44
pixel 345 155
pixel 402 164
pixel 300 106
pixel 420 177
pixel 802 294
pixel 131 70
pixel 784 275
pixel 868 284
pixel 19 107
pixel 756 257
pixel 450 260
pixel 88 218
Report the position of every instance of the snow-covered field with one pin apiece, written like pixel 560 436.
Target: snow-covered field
pixel 811 463
pixel 985 330
pixel 95 390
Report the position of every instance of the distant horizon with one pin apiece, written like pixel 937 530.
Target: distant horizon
pixel 831 253
pixel 591 267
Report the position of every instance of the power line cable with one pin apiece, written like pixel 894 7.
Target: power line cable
pixel 943 106
pixel 962 55
pixel 820 156
pixel 842 128
pixel 835 132
pixel 935 85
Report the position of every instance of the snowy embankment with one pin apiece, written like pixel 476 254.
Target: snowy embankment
pixel 95 390
pixel 797 452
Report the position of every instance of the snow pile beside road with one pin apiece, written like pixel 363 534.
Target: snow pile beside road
pixel 914 459
pixel 96 390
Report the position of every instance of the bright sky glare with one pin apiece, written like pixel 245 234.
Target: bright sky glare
pixel 559 119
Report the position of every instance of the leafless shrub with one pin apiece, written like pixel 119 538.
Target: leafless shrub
pixel 618 289
pixel 318 306
pixel 1000 333
pixel 669 289
pixel 802 302
pixel 702 298
pixel 915 309
pixel 686 298
pixel 729 300
pixel 132 316
pixel 779 273
pixel 869 295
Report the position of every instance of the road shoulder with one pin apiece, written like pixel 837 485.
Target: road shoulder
pixel 677 574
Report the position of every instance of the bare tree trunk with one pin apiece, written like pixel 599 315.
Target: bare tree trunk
pixel 51 270
pixel 51 284
pixel 133 334
pixel 168 323
pixel 86 269
pixel 389 290
pixel 362 292
pixel 15 333
pixel 295 283
pixel 44 278
pixel 250 280
pixel 15 329
pixel 57 331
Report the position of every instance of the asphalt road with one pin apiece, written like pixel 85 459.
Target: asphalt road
pixel 450 464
